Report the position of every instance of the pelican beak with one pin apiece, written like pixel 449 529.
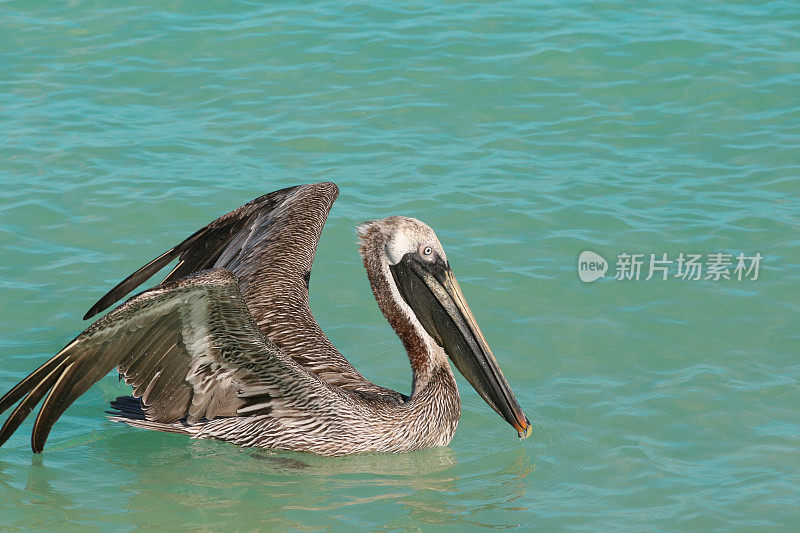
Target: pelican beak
pixel 432 292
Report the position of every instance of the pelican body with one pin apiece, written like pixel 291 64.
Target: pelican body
pixel 226 346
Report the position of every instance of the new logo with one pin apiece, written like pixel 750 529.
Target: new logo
pixel 591 266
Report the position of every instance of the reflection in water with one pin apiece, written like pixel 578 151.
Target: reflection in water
pixel 210 484
pixel 147 479
pixel 492 490
pixel 37 490
pixel 42 494
pixel 39 485
pixel 278 461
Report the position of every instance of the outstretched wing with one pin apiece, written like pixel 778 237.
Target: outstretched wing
pixel 269 245
pixel 189 348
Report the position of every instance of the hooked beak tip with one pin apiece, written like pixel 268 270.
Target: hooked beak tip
pixel 525 431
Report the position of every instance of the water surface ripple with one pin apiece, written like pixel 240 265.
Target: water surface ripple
pixel 524 133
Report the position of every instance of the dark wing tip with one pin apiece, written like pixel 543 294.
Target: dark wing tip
pixel 134 280
pixel 98 307
pixel 323 189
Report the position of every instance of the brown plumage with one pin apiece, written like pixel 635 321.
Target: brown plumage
pixel 226 346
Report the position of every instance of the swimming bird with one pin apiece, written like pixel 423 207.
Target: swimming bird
pixel 226 346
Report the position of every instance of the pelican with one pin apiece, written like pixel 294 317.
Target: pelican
pixel 226 346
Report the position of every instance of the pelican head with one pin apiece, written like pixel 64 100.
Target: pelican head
pixel 404 257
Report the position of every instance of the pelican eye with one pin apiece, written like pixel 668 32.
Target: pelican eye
pixel 427 253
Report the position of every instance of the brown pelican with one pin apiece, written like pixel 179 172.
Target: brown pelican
pixel 226 347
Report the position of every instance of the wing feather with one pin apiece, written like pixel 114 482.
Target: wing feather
pixel 189 348
pixel 25 407
pixel 269 245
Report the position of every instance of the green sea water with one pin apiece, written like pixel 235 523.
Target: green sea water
pixel 524 133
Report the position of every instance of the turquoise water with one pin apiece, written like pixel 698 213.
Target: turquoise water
pixel 524 134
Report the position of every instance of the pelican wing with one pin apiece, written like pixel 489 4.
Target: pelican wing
pixel 269 245
pixel 191 351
